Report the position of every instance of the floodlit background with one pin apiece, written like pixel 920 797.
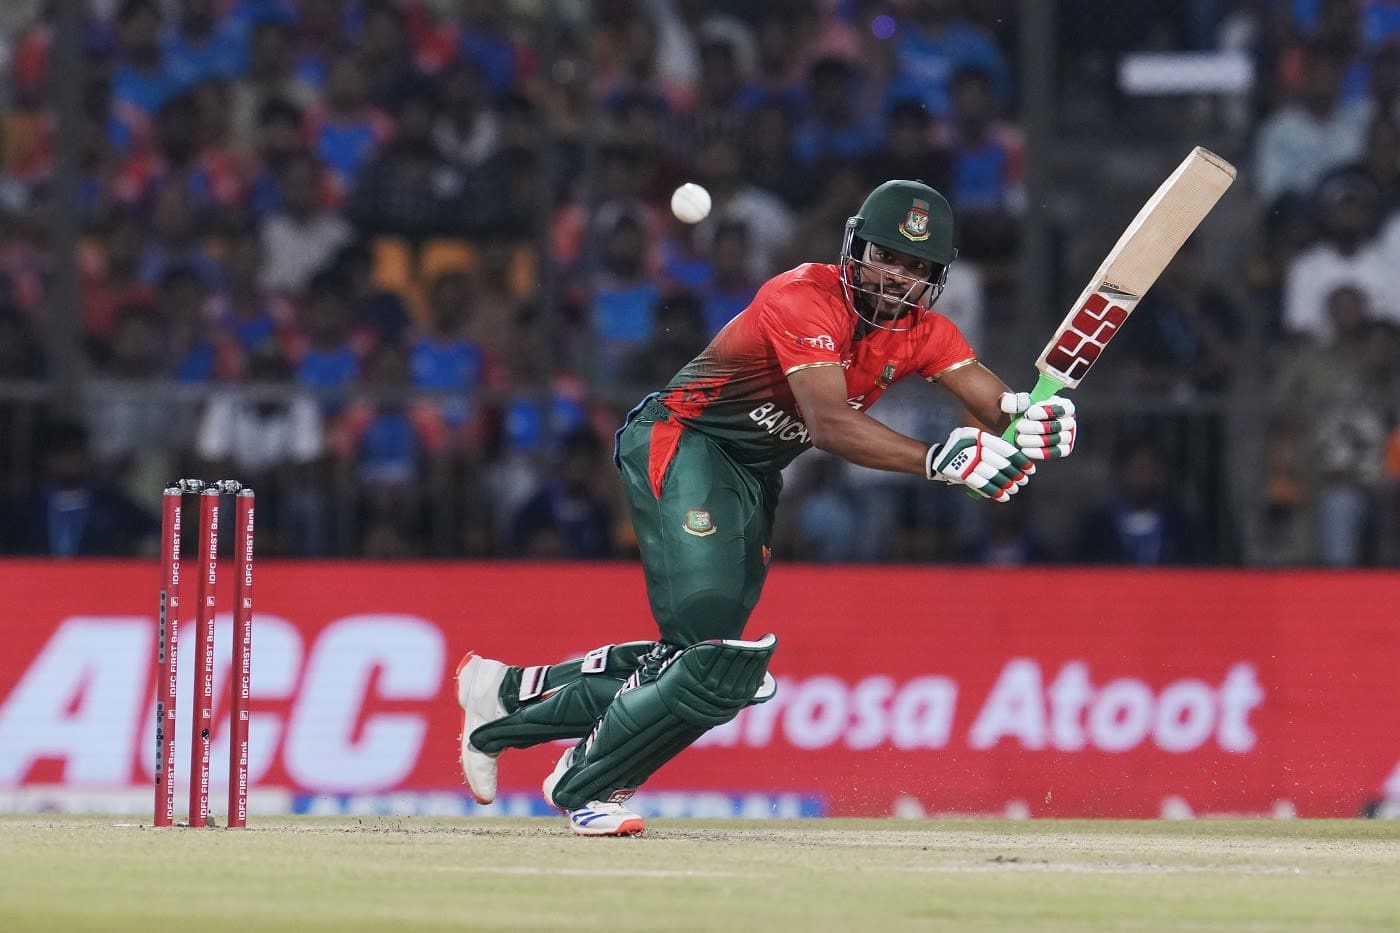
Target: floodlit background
pixel 403 265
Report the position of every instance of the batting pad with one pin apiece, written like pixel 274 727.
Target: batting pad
pixel 655 717
pixel 563 701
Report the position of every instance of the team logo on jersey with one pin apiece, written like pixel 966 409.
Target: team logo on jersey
pixel 887 375
pixel 915 226
pixel 699 523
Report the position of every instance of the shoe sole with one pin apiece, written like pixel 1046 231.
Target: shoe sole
pixel 462 755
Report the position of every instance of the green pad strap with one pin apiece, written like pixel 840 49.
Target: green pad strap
pixel 575 694
pixel 655 717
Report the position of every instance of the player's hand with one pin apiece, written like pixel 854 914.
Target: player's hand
pixel 1045 430
pixel 982 462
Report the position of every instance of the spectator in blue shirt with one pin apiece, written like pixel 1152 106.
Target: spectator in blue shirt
pixel 279 141
pixel 836 127
pixel 75 511
pixel 624 297
pixel 141 79
pixel 933 46
pixel 1144 523
pixel 988 168
pixel 320 30
pixel 732 287
pixel 1007 540
pixel 568 518
pixel 685 264
pixel 908 149
pixel 717 110
pixel 1380 22
pixel 246 314
pixel 182 299
pixel 389 450
pixel 176 239
pixel 776 78
pixel 680 333
pixel 485 42
pixel 249 14
pixel 350 130
pixel 387 441
pixel 445 358
pixel 377 312
pixel 384 52
pixel 330 360
pixel 200 45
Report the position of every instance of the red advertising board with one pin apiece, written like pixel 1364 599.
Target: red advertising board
pixel 902 691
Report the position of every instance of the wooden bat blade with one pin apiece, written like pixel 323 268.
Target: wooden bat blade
pixel 1146 247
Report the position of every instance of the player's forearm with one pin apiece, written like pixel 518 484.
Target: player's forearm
pixel 990 415
pixel 860 439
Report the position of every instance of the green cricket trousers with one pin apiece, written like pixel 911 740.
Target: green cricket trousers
pixel 703 525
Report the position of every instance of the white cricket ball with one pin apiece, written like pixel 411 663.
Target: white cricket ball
pixel 690 203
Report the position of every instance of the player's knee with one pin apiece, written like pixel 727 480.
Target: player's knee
pixel 708 683
pixel 709 614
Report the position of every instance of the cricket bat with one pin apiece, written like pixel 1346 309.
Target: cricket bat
pixel 1165 222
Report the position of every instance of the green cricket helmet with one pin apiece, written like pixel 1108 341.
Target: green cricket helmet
pixel 908 217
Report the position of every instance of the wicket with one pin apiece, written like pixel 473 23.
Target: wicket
pixel 168 648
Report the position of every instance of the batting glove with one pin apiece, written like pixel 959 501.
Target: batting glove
pixel 1045 430
pixel 982 462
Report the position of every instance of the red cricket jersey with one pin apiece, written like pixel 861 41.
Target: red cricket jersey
pixel 737 390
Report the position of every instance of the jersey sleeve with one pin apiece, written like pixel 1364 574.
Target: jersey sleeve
pixel 945 350
pixel 800 324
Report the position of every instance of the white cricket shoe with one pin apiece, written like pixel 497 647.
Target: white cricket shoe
pixel 478 693
pixel 597 817
pixel 601 818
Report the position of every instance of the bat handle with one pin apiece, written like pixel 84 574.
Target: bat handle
pixel 1046 386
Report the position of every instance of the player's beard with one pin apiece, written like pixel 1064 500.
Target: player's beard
pixel 893 288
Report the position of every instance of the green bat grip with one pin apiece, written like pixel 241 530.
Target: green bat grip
pixel 1046 386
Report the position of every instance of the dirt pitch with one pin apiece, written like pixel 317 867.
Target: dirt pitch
pixel 94 873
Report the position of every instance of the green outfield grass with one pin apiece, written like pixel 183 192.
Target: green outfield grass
pixel 93 873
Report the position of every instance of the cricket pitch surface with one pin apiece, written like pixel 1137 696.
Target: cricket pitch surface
pixel 418 873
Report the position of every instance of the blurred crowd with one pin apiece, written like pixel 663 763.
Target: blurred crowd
pixel 403 264
pixel 1326 169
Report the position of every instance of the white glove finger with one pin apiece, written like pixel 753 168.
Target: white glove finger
pixel 1044 453
pixel 1028 442
pixel 1026 426
pixel 991 444
pixel 1003 470
pixel 1002 478
pixel 988 487
pixel 1018 462
pixel 1014 454
pixel 1056 406
pixel 1014 481
pixel 986 475
pixel 980 486
pixel 1013 403
pixel 1005 455
pixel 1046 446
pixel 992 460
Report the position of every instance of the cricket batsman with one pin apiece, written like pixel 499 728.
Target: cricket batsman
pixel 701 461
